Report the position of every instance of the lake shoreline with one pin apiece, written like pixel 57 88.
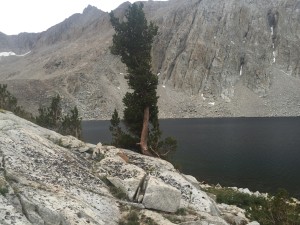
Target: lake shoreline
pixel 229 117
pixel 261 153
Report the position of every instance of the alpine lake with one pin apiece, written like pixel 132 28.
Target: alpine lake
pixel 262 154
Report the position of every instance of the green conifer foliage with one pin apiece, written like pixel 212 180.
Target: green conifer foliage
pixel 10 103
pixel 115 128
pixel 7 101
pixel 71 124
pixel 132 41
pixel 119 137
pixel 52 118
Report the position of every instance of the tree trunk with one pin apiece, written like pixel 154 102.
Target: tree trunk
pixel 144 134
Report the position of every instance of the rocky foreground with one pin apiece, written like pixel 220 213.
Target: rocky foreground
pixel 47 178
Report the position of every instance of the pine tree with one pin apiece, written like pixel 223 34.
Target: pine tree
pixel 7 100
pixel 55 111
pixel 10 103
pixel 52 118
pixel 115 129
pixel 71 124
pixel 132 41
pixel 119 137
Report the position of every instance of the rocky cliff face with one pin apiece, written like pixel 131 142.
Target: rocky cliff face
pixel 213 58
pixel 19 44
pixel 209 46
pixel 47 178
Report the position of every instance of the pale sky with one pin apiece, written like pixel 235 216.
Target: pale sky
pixel 18 16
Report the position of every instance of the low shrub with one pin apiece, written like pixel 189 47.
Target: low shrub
pixel 181 211
pixel 149 221
pixel 3 191
pixel 99 157
pixel 277 210
pixel 131 219
pixel 231 197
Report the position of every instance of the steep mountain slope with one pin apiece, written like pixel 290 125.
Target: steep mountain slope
pixel 213 58
pixel 18 44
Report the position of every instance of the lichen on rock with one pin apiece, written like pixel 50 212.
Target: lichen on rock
pixel 47 178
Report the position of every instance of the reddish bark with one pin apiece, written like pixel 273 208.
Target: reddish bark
pixel 144 134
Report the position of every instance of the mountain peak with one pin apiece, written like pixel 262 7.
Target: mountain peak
pixel 91 9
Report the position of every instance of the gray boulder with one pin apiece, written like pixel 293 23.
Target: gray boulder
pixel 191 196
pixel 46 182
pixel 161 196
pixel 128 177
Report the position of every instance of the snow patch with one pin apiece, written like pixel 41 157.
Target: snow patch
pixel 241 70
pixel 203 97
pixel 24 54
pixel 6 54
pixel 164 86
pixel 158 74
pixel 211 103
pixel 272 31
pixel 232 42
pixel 273 45
pixel 119 88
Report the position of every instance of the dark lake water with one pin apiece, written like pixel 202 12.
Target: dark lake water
pixel 259 153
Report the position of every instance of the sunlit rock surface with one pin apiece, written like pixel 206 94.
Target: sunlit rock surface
pixel 47 178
